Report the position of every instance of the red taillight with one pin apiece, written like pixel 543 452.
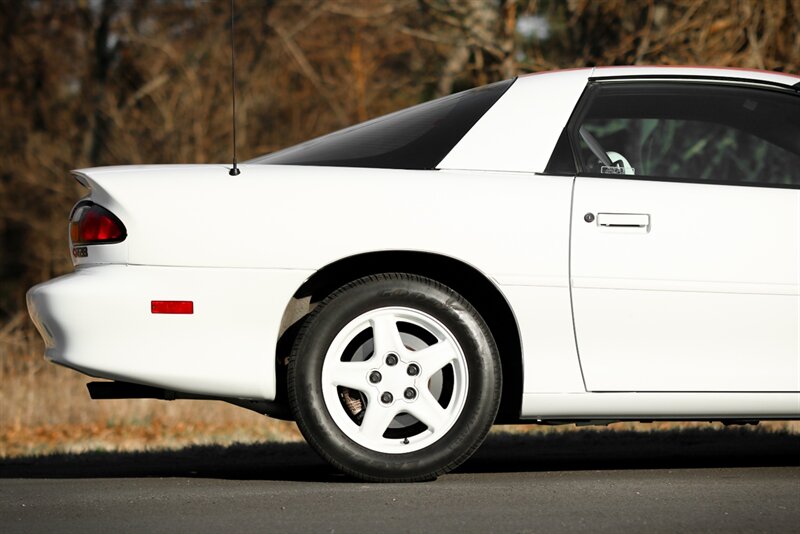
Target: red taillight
pixel 92 224
pixel 172 306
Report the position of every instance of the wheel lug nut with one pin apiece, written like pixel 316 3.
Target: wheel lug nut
pixel 386 397
pixel 375 377
pixel 410 393
pixel 391 359
pixel 413 370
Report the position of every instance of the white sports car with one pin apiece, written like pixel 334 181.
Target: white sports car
pixel 588 246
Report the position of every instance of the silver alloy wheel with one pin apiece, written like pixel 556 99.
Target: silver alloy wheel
pixel 394 380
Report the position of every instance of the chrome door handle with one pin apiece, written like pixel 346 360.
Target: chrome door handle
pixel 630 221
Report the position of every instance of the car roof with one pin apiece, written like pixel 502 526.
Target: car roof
pixel 519 133
pixel 647 71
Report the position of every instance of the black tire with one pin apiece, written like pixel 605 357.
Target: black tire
pixel 480 397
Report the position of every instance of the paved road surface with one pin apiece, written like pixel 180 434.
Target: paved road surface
pixel 728 481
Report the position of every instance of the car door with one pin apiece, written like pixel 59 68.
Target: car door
pixel 685 237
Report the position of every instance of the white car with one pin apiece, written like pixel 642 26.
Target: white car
pixel 589 245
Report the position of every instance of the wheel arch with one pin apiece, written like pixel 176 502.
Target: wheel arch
pixel 465 279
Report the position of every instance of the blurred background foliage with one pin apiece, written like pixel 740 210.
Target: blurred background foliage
pixel 105 82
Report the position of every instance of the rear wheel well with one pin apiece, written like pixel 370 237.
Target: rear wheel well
pixel 462 278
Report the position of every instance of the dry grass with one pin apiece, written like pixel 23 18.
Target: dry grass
pixel 782 427
pixel 45 409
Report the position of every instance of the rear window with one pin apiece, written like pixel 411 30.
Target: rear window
pixel 418 137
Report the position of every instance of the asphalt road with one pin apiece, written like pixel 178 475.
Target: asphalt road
pixel 729 481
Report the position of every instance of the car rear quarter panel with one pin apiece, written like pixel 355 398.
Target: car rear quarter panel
pixel 507 225
pixel 513 227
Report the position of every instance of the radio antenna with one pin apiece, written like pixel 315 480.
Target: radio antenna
pixel 234 170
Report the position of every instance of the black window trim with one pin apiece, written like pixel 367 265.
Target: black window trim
pixel 582 107
pixel 715 80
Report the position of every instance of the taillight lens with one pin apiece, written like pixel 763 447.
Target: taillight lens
pixel 92 224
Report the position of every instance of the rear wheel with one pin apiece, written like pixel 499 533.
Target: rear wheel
pixel 394 377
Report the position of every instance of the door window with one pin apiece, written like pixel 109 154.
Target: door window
pixel 690 132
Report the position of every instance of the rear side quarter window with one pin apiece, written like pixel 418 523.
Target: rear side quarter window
pixel 418 137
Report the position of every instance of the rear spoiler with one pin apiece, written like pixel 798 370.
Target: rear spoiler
pixel 82 179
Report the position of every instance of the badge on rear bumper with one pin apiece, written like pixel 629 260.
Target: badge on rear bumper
pixel 80 252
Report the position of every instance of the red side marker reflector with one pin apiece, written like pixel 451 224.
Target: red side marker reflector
pixel 172 306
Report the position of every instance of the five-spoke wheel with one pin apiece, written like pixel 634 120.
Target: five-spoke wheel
pixel 394 380
pixel 394 377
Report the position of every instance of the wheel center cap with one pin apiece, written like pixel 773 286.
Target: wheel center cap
pixel 395 379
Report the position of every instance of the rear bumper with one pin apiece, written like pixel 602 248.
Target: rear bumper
pixel 98 321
